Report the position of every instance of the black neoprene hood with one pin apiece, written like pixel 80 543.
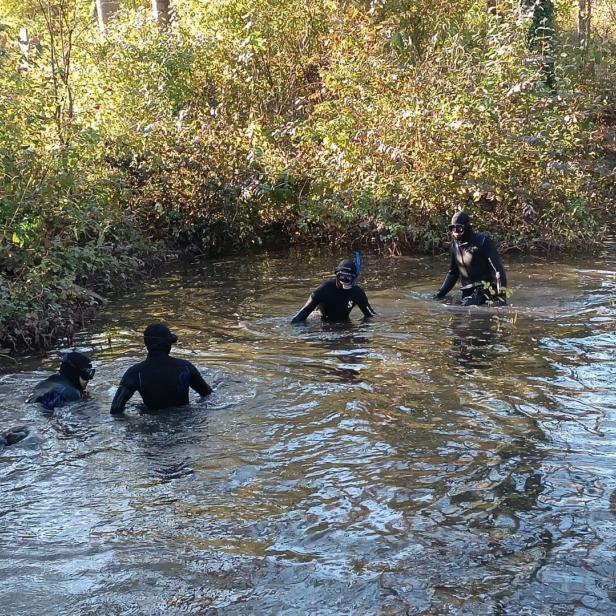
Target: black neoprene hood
pixel 73 366
pixel 347 268
pixel 158 337
pixel 461 218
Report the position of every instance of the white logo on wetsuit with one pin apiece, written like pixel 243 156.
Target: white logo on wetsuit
pixel 350 303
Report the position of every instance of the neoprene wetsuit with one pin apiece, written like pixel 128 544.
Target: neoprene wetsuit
pixel 54 391
pixel 475 261
pixel 162 381
pixel 335 303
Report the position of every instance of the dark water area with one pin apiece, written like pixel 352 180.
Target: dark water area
pixel 434 460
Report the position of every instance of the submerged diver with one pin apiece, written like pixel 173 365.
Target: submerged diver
pixel 68 386
pixel 162 381
pixel 475 261
pixel 335 298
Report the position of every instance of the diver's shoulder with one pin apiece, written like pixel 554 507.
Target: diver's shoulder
pixel 328 284
pixel 325 288
pixel 52 381
pixel 481 239
pixel 178 361
pixel 357 290
pixel 135 368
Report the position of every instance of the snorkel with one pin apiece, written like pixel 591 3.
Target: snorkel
pixel 357 265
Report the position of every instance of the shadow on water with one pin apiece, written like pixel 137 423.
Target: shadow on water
pixel 434 460
pixel 342 347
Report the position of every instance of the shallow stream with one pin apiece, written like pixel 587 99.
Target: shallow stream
pixel 435 460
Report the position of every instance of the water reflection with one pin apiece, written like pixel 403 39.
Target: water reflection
pixel 476 337
pixel 342 347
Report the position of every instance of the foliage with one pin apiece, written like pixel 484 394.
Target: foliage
pixel 245 122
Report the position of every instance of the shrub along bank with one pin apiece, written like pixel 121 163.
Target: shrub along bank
pixel 247 121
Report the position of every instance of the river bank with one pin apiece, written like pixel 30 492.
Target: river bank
pixel 60 307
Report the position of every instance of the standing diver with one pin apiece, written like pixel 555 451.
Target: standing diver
pixel 69 385
pixel 475 261
pixel 335 298
pixel 162 381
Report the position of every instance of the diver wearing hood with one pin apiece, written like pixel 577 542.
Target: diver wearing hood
pixel 475 261
pixel 336 298
pixel 162 381
pixel 68 386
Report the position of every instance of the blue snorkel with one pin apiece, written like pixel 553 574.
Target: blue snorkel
pixel 357 265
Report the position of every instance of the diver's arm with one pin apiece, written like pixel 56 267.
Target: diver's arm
pixel 310 305
pixel 122 396
pixel 452 277
pixel 72 394
pixel 198 383
pixel 364 305
pixel 368 311
pixel 497 271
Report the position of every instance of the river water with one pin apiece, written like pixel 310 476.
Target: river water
pixel 435 460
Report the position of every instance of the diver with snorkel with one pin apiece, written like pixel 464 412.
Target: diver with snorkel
pixel 475 261
pixel 337 297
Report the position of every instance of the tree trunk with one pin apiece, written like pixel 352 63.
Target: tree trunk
pixel 105 9
pixel 160 9
pixel 541 35
pixel 24 47
pixel 584 18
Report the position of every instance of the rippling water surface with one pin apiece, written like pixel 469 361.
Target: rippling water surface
pixel 436 460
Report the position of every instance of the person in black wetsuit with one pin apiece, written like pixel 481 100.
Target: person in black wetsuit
pixel 475 261
pixel 162 381
pixel 67 386
pixel 335 298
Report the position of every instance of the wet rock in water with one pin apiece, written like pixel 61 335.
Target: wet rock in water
pixel 14 435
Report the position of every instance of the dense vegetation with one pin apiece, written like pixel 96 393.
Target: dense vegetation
pixel 244 121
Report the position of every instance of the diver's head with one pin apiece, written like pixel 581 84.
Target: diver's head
pixel 346 273
pixel 157 337
pixel 460 225
pixel 77 368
